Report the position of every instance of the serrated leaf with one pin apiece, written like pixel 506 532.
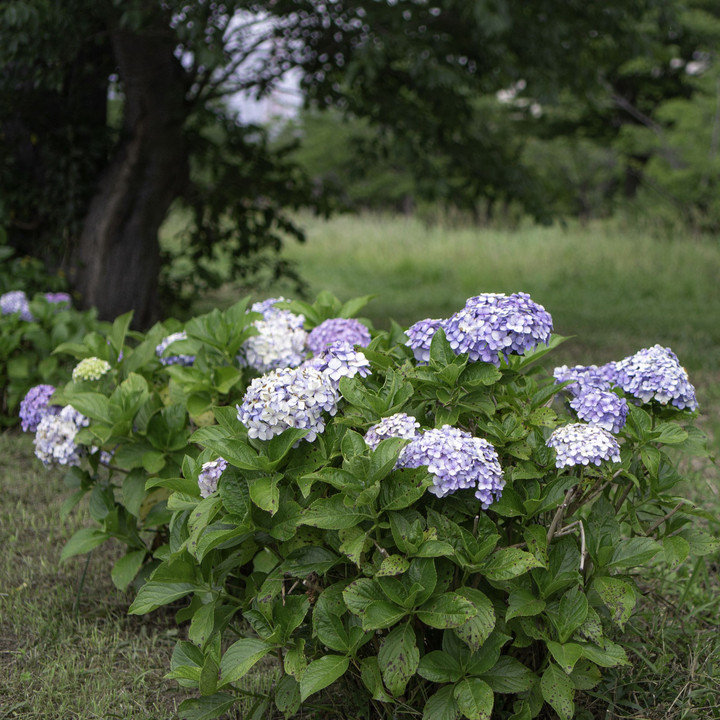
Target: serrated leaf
pixel 398 658
pixel 475 699
pixel 476 630
pixel 240 657
pixel 558 691
pixel 508 563
pixel 448 610
pixel 206 708
pixel 126 568
pixel 565 655
pixel 321 673
pixel 442 705
pixel 618 596
pixel 393 565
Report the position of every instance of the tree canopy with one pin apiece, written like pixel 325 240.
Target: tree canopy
pixel 111 111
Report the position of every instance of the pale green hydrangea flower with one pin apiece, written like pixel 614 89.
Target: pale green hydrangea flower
pixel 91 368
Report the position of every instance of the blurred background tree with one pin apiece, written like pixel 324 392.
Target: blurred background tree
pixel 112 113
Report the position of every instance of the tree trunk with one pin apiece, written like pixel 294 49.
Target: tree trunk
pixel 117 260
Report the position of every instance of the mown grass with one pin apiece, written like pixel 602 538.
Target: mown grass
pixel 59 660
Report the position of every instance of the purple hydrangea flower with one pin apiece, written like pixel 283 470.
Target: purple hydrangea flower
pixel 280 342
pixel 338 360
pixel 581 444
pixel 492 324
pixel 35 406
pixel 173 359
pixel 287 398
pixel 400 425
pixel 601 408
pixel 209 476
pixel 55 437
pixel 656 374
pixel 267 306
pixel 420 336
pixel 334 330
pixel 16 301
pixel 59 298
pixel 586 376
pixel 456 460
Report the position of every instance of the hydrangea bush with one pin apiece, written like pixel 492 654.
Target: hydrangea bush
pixel 30 329
pixel 434 526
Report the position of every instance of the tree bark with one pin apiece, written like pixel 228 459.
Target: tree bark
pixel 117 259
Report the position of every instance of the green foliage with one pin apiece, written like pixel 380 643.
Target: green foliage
pixel 26 347
pixel 347 570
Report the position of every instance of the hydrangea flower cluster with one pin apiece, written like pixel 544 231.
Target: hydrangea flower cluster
pixel 420 336
pixel 209 476
pixel 265 306
pixel 585 376
pixel 280 342
pixel 400 425
pixel 173 359
pixel 338 360
pixel 287 398
pixel 492 324
pixel 35 406
pixel 91 368
pixel 347 330
pixel 59 298
pixel 601 408
pixel 55 437
pixel 16 301
pixel 456 460
pixel 656 374
pixel 581 444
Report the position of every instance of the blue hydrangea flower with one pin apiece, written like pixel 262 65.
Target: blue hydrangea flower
pixel 55 437
pixel 280 342
pixel 287 398
pixel 173 359
pixel 586 376
pixel 601 408
pixel 209 476
pixel 266 306
pixel 338 360
pixel 35 406
pixel 400 425
pixel 656 374
pixel 456 460
pixel 420 336
pixel 581 444
pixel 16 301
pixel 59 298
pixel 346 330
pixel 494 324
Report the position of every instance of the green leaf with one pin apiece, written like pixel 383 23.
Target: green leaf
pixel 372 679
pixel 474 698
pixel 280 445
pixel 393 565
pixel 571 614
pixel 442 705
pixel 618 596
pixel 287 695
pixel 475 631
pixel 126 568
pixel 508 563
pixel 83 541
pixel 133 491
pixel 398 658
pixel 332 514
pixel 208 676
pixel 321 673
pixel 359 594
pixel 448 610
pixel 522 603
pixel 240 657
pixel 558 691
pixel 154 594
pixel 206 708
pixel 153 461
pixel 634 552
pixel 611 655
pixel 441 667
pixel 381 614
pixel 509 675
pixel 676 549
pixel 670 434
pixel 565 655
pixel 93 405
pixel 265 493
